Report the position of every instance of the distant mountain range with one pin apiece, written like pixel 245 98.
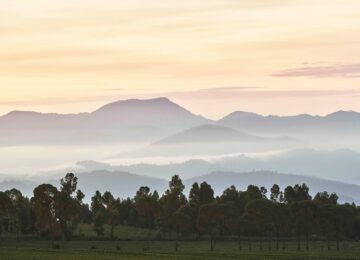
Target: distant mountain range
pixel 165 129
pixel 211 140
pixel 341 124
pixel 155 119
pixel 341 165
pixel 123 121
pixel 124 184
pixel 208 134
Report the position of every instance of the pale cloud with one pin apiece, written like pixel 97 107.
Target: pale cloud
pixel 336 70
pixel 240 93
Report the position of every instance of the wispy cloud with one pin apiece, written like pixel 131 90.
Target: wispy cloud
pixel 245 93
pixel 60 100
pixel 218 93
pixel 335 70
pixel 230 88
pixel 112 89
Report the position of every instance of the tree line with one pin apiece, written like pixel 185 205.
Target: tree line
pixel 276 215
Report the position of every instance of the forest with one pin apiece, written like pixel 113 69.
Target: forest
pixel 277 215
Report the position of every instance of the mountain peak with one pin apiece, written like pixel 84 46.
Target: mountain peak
pixel 158 100
pixel 162 101
pixel 156 112
pixel 236 115
pixel 21 114
pixel 343 113
pixel 244 114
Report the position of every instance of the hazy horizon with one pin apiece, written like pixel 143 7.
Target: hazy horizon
pixel 154 98
pixel 212 58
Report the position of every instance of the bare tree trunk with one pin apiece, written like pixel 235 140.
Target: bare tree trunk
pixel 176 241
pixel 52 233
pixel 277 240
pixel 112 231
pixel 239 242
pixel 64 228
pixel 298 238
pixel 270 241
pixel 283 243
pixel 148 240
pixel 307 240
pixel 52 240
pixel 176 245
pixel 17 238
pixel 215 240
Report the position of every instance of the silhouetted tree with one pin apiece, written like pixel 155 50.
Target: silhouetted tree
pixel 304 213
pixel 217 219
pixel 170 202
pixel 68 202
pixel 44 203
pixel 296 193
pixel 146 204
pixel 326 198
pixel 276 194
pixel 182 221
pixel 98 212
pixel 262 213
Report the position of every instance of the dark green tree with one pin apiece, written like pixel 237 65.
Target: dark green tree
pixel 170 202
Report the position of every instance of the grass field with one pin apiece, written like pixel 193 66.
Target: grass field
pixel 137 243
pixel 88 250
pixel 120 232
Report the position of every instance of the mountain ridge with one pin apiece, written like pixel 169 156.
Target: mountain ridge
pixel 209 133
pixel 125 120
pixel 149 120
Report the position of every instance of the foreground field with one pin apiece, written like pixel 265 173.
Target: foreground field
pixel 165 250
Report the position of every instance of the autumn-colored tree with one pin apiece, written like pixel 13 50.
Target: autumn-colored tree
pixel 262 213
pixel 198 196
pixel 44 203
pixel 147 207
pixel 217 219
pixel 182 222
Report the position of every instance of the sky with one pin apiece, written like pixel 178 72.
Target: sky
pixel 212 57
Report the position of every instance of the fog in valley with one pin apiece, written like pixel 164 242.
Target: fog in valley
pixel 144 142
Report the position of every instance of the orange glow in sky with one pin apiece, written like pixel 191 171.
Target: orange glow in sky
pixel 213 57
